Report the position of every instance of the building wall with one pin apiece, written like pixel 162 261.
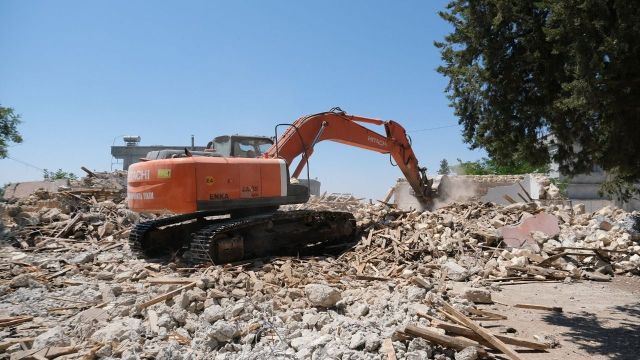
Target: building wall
pixel 584 188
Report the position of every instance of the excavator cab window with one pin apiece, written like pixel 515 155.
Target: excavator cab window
pixel 249 147
pixel 222 145
pixel 240 146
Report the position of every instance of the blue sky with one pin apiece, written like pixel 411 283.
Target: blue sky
pixel 83 73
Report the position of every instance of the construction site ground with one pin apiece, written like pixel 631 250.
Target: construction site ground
pixel 412 285
pixel 599 320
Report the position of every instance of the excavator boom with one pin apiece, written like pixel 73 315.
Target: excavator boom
pixel 302 136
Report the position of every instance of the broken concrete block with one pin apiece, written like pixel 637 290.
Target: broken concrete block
pixel 520 235
pixel 322 295
pixel 22 280
pixel 478 295
pixel 52 337
pixel 222 331
pixel 455 272
pixel 468 353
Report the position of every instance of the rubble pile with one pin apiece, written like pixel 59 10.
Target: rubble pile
pixel 89 211
pixel 465 240
pixel 70 287
pixel 100 185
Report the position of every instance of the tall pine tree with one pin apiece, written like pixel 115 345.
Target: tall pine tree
pixel 548 80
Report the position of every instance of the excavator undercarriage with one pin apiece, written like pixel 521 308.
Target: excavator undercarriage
pixel 211 238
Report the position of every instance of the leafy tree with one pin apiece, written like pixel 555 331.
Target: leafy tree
pixel 444 167
pixel 548 80
pixel 8 129
pixel 58 174
pixel 486 166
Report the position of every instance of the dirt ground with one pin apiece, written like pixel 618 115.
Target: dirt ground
pixel 599 320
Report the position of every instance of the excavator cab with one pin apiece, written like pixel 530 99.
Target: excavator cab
pixel 240 146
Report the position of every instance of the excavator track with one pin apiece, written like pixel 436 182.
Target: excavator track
pixel 141 236
pixel 243 237
pixel 278 233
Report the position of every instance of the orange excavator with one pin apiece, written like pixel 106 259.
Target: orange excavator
pixel 224 201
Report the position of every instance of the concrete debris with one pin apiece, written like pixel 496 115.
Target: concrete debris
pixel 322 295
pixel 468 353
pixel 68 282
pixel 542 226
pixel 478 295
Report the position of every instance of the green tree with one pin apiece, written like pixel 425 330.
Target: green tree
pixel 57 175
pixel 487 166
pixel 548 80
pixel 8 129
pixel 444 167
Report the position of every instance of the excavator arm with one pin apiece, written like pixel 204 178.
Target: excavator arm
pixel 301 137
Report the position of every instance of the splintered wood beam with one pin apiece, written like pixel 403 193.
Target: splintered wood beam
pixel 444 340
pixel 69 225
pixel 165 296
pixel 538 307
pixel 16 320
pixel 490 338
pixel 387 348
pixel 466 332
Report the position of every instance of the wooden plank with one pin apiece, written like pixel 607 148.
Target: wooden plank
pixel 443 340
pixel 7 342
pixel 109 247
pixel 598 249
pixel 369 237
pixel 450 317
pixel 45 353
pixel 538 307
pixel 387 348
pixel 418 280
pixel 546 281
pixel 511 340
pixel 169 281
pixel 487 314
pixel 89 172
pixel 371 278
pixel 69 225
pixel 165 296
pixel 61 272
pixel 466 332
pixel 497 343
pixel 14 321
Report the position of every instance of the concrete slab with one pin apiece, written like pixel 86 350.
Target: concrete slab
pixel 520 235
pixel 526 190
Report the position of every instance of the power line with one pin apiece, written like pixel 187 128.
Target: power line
pixel 25 163
pixel 434 128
